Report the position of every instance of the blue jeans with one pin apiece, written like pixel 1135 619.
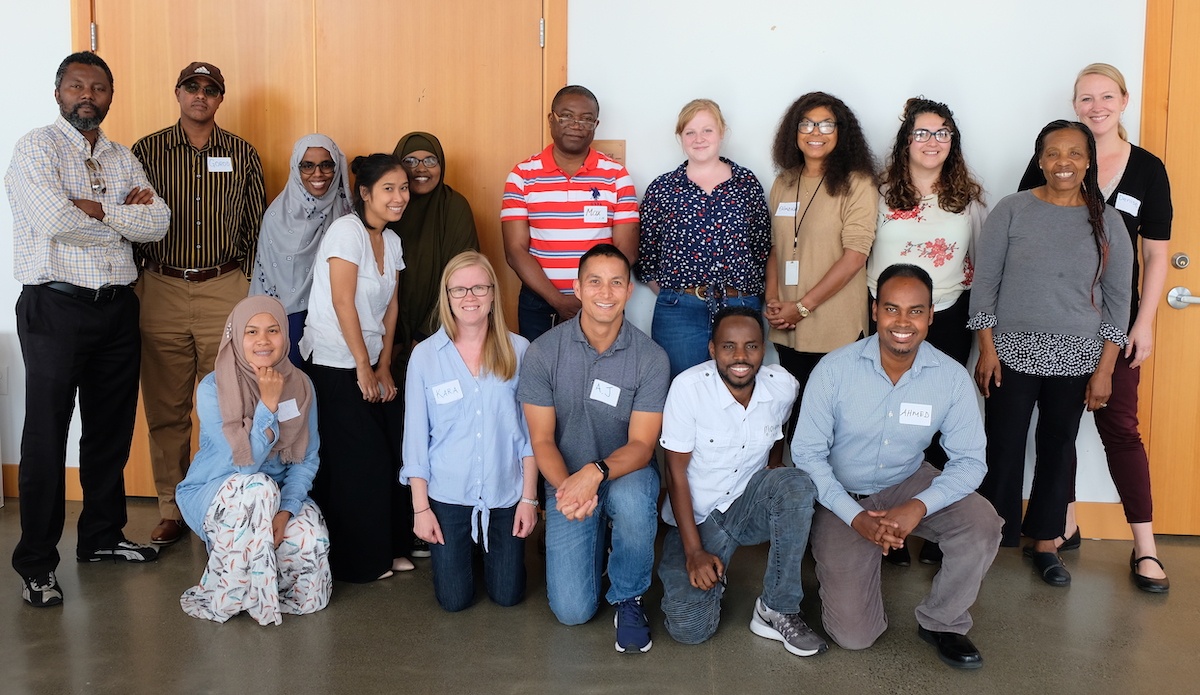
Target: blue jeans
pixel 453 562
pixel 776 506
pixel 535 315
pixel 575 549
pixel 682 326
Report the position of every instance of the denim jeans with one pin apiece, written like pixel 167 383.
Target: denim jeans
pixel 682 326
pixel 453 562
pixel 535 315
pixel 776 506
pixel 575 550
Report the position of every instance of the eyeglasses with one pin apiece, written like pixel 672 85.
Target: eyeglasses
pixel 96 174
pixel 411 162
pixel 941 134
pixel 326 167
pixel 583 123
pixel 211 91
pixel 826 127
pixel 477 290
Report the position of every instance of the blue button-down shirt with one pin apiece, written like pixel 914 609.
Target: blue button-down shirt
pixel 860 433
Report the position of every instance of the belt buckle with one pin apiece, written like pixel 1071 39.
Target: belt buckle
pixel 187 273
pixel 701 295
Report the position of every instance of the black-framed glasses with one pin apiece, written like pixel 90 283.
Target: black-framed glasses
pixel 96 175
pixel 825 127
pixel 941 134
pixel 583 123
pixel 411 162
pixel 326 167
pixel 211 91
pixel 477 290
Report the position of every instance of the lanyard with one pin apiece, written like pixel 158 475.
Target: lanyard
pixel 800 220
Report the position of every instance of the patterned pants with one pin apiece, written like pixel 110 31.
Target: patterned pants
pixel 245 571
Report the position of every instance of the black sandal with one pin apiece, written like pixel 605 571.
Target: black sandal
pixel 1141 581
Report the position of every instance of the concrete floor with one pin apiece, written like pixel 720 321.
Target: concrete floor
pixel 121 631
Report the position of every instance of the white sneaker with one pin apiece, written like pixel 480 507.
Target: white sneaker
pixel 797 637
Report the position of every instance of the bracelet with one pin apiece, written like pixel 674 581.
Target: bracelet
pixel 421 512
pixel 527 500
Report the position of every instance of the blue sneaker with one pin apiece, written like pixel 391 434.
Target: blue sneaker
pixel 633 630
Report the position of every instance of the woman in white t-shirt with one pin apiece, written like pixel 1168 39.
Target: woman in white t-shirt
pixel 347 346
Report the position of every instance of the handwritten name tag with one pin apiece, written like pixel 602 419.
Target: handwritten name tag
pixel 786 210
pixel 605 392
pixel 447 392
pixel 595 214
pixel 220 164
pixel 1127 203
pixel 916 414
pixel 287 410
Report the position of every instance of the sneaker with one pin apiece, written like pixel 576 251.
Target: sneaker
pixel 633 630
pixel 797 637
pixel 419 548
pixel 42 591
pixel 124 551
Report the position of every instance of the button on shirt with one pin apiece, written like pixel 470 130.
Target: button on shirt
pixel 54 241
pixel 860 433
pixel 464 435
pixel 728 443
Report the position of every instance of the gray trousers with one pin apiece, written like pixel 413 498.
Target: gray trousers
pixel 848 565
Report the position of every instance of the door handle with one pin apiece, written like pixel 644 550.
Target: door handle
pixel 1180 297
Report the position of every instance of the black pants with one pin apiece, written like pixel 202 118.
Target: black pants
pixel 801 366
pixel 71 346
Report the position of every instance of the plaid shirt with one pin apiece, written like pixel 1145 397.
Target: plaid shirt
pixel 54 241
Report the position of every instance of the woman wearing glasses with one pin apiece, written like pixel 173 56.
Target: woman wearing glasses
pixel 317 192
pixel 467 454
pixel 930 215
pixel 823 207
pixel 705 237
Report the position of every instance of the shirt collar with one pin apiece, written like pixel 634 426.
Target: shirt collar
pixel 75 137
pixel 218 141
pixel 926 358
pixel 620 343
pixel 549 165
pixel 724 396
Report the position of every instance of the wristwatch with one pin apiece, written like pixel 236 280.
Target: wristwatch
pixel 599 463
pixel 804 311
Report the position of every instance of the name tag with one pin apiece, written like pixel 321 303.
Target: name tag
pixel 786 210
pixel 596 214
pixel 1127 203
pixel 916 414
pixel 287 410
pixel 605 392
pixel 447 392
pixel 791 273
pixel 216 164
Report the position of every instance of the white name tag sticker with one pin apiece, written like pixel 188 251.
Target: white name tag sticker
pixel 447 392
pixel 791 273
pixel 287 410
pixel 1127 203
pixel 786 210
pixel 595 214
pixel 916 414
pixel 605 392
pixel 220 164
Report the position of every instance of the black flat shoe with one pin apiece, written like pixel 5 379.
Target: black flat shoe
pixel 1050 568
pixel 1071 543
pixel 931 553
pixel 953 649
pixel 899 557
pixel 1150 584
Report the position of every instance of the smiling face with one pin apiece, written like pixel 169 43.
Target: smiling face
pixel 316 181
pixel 903 313
pixel 470 310
pixel 931 154
pixel 264 343
pixel 701 138
pixel 84 96
pixel 603 288
pixel 1099 103
pixel 198 108
pixel 423 179
pixel 572 138
pixel 816 146
pixel 1064 159
pixel 385 201
pixel 737 348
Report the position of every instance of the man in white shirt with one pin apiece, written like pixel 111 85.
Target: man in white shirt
pixel 722 426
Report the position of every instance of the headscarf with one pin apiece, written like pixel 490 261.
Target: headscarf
pixel 293 226
pixel 237 386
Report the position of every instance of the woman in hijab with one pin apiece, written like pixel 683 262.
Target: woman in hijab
pixel 316 194
pixel 246 493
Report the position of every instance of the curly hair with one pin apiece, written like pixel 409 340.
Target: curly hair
pixel 851 154
pixel 1093 197
pixel 956 188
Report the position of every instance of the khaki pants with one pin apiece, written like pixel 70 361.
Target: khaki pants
pixel 182 323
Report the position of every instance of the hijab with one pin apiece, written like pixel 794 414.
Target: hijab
pixel 293 226
pixel 237 386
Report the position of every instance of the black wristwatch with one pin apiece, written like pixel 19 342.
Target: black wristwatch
pixel 599 463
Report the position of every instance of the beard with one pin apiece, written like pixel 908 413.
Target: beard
pixel 84 123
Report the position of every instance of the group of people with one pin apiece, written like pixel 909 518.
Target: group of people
pixel 360 391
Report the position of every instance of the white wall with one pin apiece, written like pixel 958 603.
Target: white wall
pixel 1005 69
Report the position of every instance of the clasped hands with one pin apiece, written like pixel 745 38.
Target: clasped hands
pixel 578 496
pixel 888 528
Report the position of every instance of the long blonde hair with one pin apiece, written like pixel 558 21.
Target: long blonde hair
pixel 498 357
pixel 1104 70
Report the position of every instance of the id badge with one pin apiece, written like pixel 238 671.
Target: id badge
pixel 791 273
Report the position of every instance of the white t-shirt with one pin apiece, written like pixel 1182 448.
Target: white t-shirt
pixel 349 240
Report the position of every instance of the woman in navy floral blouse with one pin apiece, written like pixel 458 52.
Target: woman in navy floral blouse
pixel 705 236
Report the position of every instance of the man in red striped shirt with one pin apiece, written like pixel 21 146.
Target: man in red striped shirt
pixel 558 204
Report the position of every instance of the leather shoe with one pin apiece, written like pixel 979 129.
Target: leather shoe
pixel 931 553
pixel 167 532
pixel 953 649
pixel 1150 584
pixel 1051 569
pixel 1071 543
pixel 899 557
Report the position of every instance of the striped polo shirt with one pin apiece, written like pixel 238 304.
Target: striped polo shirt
pixel 216 195
pixel 568 214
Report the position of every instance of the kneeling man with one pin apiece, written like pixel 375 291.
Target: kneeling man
pixel 721 427
pixel 869 412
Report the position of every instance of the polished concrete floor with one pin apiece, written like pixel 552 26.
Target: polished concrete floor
pixel 121 631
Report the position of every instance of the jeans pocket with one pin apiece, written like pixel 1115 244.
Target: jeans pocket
pixel 667 297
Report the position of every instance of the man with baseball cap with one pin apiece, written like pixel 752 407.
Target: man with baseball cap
pixel 213 182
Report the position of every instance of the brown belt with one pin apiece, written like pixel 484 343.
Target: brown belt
pixel 193 274
pixel 701 292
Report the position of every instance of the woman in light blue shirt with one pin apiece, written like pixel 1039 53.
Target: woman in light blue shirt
pixel 467 455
